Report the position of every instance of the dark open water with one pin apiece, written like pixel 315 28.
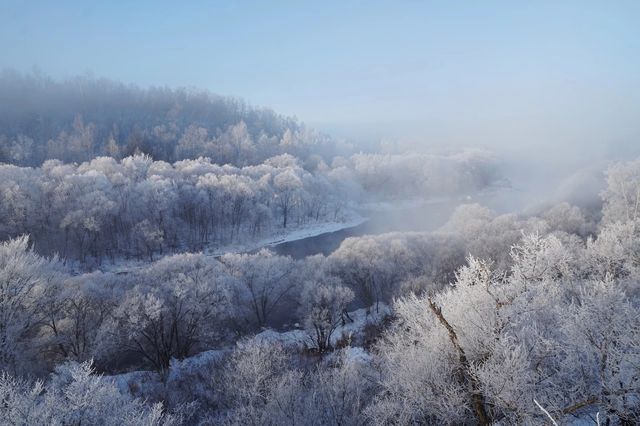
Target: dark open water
pixel 425 218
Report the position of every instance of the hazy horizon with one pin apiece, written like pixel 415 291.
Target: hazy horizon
pixel 485 75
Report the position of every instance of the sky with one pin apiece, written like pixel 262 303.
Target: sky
pixel 509 73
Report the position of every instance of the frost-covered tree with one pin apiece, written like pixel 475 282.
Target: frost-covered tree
pixel 288 187
pixel 614 252
pixel 603 330
pixel 149 237
pixel 81 118
pixel 250 379
pixel 26 280
pixel 265 282
pixel 264 389
pixel 175 308
pixel 486 235
pixel 74 313
pixel 622 195
pixel 374 266
pixel 570 219
pixel 323 305
pixel 74 395
pixel 484 350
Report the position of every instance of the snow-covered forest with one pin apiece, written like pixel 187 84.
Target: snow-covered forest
pixel 134 288
pixel 261 175
pixel 106 209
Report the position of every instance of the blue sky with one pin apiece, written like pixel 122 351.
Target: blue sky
pixel 449 71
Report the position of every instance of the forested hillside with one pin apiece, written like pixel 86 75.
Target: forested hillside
pixel 181 170
pixel 135 288
pixel 82 118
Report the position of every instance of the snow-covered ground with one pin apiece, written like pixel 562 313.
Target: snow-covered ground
pixel 300 339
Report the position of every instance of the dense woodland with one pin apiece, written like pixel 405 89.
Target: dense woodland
pixel 492 319
pixel 80 119
pixel 261 174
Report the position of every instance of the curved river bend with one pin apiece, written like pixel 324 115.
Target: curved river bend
pixel 424 218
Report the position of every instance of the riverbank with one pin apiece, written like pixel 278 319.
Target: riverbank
pixel 416 214
pixel 282 236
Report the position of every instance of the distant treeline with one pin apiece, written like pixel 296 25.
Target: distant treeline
pixel 82 118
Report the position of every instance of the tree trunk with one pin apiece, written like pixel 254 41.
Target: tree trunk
pixel 477 398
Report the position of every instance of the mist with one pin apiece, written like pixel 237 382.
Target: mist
pixel 319 213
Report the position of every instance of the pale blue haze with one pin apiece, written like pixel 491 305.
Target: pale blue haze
pixel 452 72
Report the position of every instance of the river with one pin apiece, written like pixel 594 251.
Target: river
pixel 423 218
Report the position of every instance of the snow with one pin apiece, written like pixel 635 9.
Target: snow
pixel 358 355
pixel 351 220
pixel 309 231
pixel 299 339
pixel 146 383
pixel 137 383
pixel 196 362
pixel 361 318
pixel 294 339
